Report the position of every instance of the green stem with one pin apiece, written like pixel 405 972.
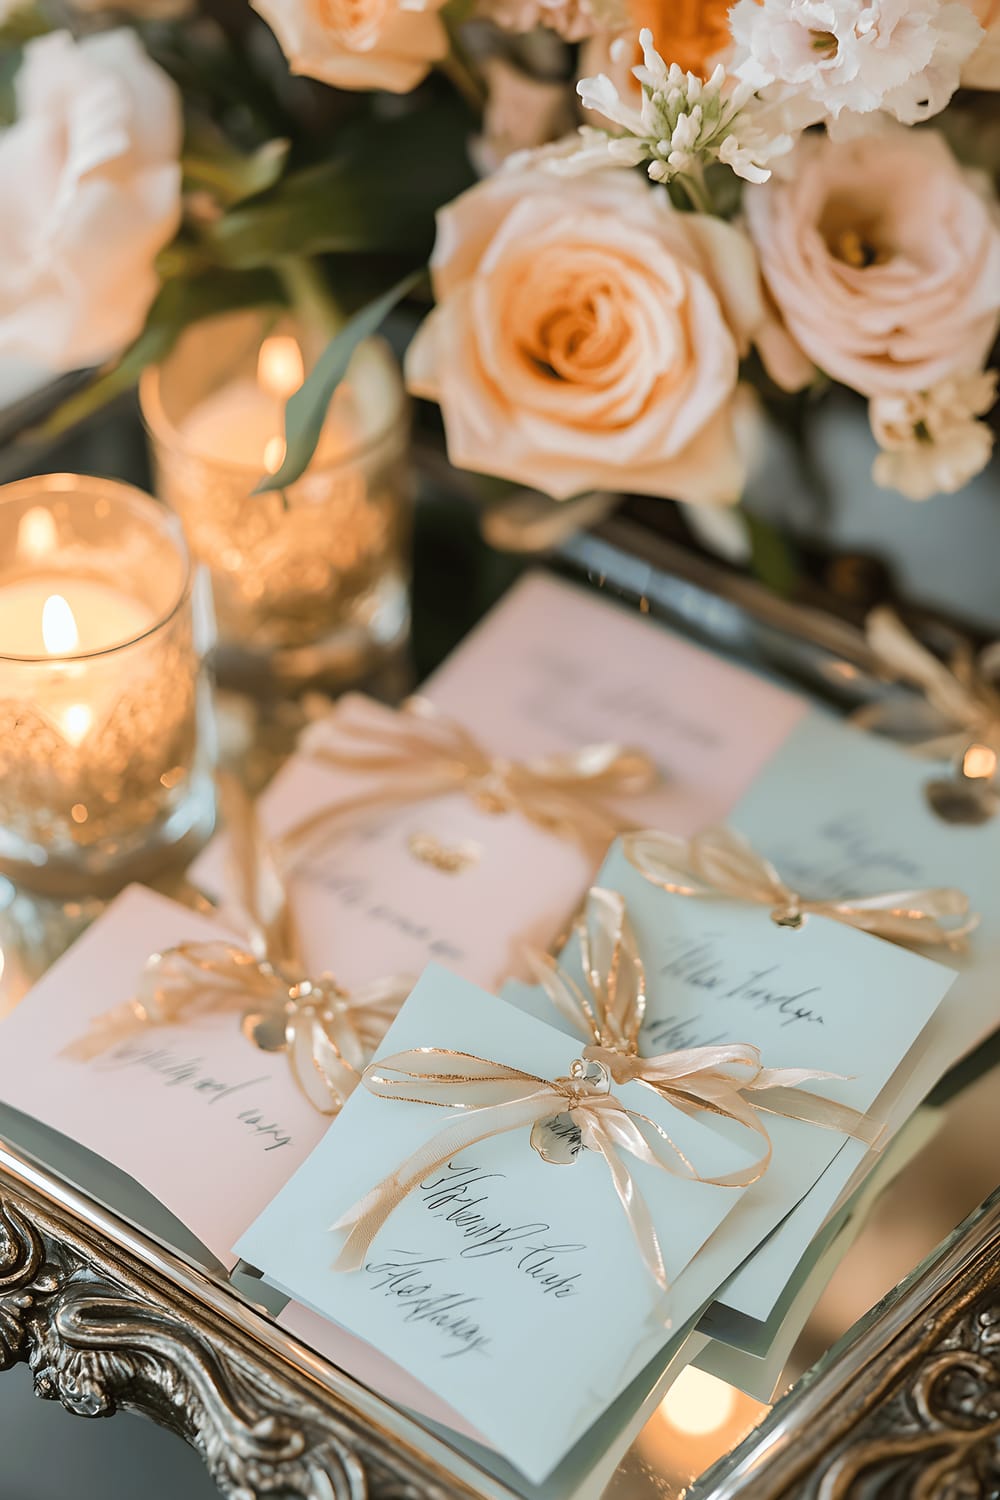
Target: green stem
pixel 698 195
pixel 309 293
pixel 460 73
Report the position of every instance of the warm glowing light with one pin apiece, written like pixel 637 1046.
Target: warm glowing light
pixel 274 454
pixel 59 630
pixel 36 534
pixel 698 1403
pixel 76 721
pixel 979 763
pixel 280 370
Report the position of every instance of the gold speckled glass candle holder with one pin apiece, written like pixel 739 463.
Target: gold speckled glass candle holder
pixel 105 717
pixel 311 584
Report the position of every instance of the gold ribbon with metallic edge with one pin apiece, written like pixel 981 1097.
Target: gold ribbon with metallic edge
pixel 415 753
pixel 328 1032
pixel 728 1079
pixel 962 694
pixel 721 863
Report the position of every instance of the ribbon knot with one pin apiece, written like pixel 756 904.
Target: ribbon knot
pixel 415 753
pixel 721 863
pixel 962 694
pixel 728 1080
pixel 327 1031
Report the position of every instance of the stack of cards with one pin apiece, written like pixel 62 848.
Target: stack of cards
pixel 508 1299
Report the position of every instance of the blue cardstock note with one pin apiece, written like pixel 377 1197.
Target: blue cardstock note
pixel 841 814
pixel 823 996
pixel 511 1287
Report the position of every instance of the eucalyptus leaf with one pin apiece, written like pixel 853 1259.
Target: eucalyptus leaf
pixel 306 410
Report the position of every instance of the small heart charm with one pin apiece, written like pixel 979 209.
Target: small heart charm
pixel 266 1031
pixel 557 1140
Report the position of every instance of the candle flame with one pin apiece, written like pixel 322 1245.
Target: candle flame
pixel 36 533
pixel 274 454
pixel 280 369
pixel 59 630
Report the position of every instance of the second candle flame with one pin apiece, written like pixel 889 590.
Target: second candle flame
pixel 59 632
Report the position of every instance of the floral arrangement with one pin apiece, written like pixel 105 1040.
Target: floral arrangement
pixel 682 210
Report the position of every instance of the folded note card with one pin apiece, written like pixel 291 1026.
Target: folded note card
pixel 823 996
pixel 552 670
pixel 206 1122
pixel 843 813
pixel 512 1287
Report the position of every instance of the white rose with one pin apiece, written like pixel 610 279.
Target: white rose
pixel 359 44
pixel 91 182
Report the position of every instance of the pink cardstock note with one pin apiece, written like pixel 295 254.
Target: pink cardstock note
pixel 552 669
pixel 206 1122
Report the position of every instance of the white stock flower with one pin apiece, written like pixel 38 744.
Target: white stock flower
pixel 91 175
pixel 682 124
pixel 932 441
pixel 852 57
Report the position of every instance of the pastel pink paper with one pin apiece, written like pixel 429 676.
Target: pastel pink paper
pixel 555 666
pixel 194 1156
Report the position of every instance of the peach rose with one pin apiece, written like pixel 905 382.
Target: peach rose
pixel 359 44
pixel 883 257
pixel 982 71
pixel 588 336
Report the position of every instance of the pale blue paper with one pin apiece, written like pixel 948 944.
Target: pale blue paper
pixel 842 813
pixel 553 1363
pixel 874 999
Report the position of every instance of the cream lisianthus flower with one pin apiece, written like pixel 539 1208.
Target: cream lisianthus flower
pixel 853 57
pixel 932 441
pixel 359 44
pixel 90 173
pixel 588 336
pixel 883 257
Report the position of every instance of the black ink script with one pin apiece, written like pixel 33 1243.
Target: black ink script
pixel 189 1073
pixel 702 965
pixel 458 1197
pixel 404 1278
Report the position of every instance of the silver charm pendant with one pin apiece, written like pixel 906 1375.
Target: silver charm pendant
pixel 557 1140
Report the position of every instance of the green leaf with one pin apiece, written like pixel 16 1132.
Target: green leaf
pixel 211 164
pixel 379 193
pixel 306 410
pixel 773 557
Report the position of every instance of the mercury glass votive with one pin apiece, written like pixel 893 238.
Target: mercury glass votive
pixel 311 584
pixel 105 732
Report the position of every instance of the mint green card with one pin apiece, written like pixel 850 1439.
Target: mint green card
pixel 823 997
pixel 510 1286
pixel 841 813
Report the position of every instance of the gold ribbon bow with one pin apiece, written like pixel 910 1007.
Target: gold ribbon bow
pixel 720 862
pixel 727 1080
pixel 497 1099
pixel 962 694
pixel 328 1033
pixel 416 753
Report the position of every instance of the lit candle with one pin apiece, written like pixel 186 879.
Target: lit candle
pixel 310 583
pixel 243 422
pixel 98 680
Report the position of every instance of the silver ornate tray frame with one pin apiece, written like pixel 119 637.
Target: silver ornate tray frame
pixel 109 1319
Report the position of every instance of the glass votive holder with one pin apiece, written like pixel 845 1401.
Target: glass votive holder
pixel 311 584
pixel 106 739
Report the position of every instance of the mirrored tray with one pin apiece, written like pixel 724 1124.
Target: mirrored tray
pixel 885 1351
